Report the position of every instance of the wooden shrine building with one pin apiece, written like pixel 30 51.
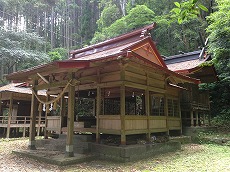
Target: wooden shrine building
pixel 15 103
pixel 124 81
pixel 195 105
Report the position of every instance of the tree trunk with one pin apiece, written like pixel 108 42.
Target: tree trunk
pixel 52 28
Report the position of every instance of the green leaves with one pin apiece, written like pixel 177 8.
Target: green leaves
pixel 219 47
pixel 137 17
pixel 177 4
pixel 20 48
pixel 202 7
pixel 187 10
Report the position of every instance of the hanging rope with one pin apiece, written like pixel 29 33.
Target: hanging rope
pixel 57 98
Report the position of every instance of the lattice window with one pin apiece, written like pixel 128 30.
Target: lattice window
pixel 112 106
pixel 135 105
pixel 85 107
pixel 173 107
pixel 157 106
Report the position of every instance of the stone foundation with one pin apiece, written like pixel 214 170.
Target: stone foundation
pixel 133 152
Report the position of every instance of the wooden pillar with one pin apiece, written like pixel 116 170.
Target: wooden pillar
pixel 70 122
pixel 62 111
pixel 166 112
pixel 98 111
pixel 209 119
pixel 147 113
pixel 122 111
pixel 179 111
pixel 204 119
pixel 33 114
pixel 197 118
pixel 192 120
pixel 39 122
pixel 46 133
pixel 1 114
pixel 24 132
pixel 9 116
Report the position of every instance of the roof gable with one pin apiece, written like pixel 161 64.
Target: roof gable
pixel 147 49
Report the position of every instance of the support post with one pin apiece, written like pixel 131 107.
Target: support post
pixel 204 122
pixel 46 133
pixel 1 104
pixel 192 120
pixel 98 113
pixel 197 118
pixel 122 111
pixel 70 121
pixel 166 112
pixel 24 132
pixel 62 111
pixel 39 122
pixel 147 113
pixel 179 107
pixel 9 116
pixel 33 114
pixel 209 119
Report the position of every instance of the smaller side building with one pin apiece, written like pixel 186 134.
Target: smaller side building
pixel 195 105
pixel 15 110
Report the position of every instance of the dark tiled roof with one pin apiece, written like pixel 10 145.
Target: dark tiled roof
pixel 185 61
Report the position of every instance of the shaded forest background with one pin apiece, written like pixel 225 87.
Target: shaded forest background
pixel 33 32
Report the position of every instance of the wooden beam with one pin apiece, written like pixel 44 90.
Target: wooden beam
pixel 33 114
pixel 54 85
pixel 70 121
pixel 142 86
pixel 43 78
pixel 9 115
pixel 50 85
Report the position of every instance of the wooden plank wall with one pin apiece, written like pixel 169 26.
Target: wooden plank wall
pixel 53 123
pixel 110 122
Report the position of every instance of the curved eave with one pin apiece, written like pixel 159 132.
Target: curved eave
pixel 24 75
pixel 210 75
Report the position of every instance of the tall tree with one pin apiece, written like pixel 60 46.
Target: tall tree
pixel 20 50
pixel 137 17
pixel 219 46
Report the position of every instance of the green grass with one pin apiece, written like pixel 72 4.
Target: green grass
pixel 192 157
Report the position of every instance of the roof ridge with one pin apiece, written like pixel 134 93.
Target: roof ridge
pixel 182 55
pixel 115 39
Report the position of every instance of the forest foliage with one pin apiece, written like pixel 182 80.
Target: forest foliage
pixel 33 32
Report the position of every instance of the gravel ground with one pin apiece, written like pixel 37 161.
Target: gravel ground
pixel 192 157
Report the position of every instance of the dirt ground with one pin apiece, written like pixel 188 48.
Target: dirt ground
pixel 192 157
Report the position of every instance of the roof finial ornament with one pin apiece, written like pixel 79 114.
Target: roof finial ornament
pixel 145 33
